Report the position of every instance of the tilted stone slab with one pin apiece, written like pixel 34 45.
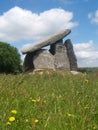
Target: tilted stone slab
pixel 45 42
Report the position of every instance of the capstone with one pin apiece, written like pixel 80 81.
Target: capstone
pixel 46 41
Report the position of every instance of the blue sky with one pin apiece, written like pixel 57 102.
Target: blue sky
pixel 26 21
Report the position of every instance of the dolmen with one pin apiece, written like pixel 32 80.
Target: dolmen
pixel 60 55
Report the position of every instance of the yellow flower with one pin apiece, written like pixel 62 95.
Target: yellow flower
pixel 8 123
pixel 14 111
pixel 69 115
pixel 11 119
pixel 36 121
pixel 86 80
pixel 27 120
pixel 94 128
pixel 33 100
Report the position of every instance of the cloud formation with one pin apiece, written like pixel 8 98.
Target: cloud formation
pixel 21 24
pixel 93 17
pixel 87 54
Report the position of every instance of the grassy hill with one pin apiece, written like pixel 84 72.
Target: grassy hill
pixel 53 101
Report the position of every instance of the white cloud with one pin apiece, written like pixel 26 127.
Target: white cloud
pixel 20 24
pixel 87 54
pixel 93 17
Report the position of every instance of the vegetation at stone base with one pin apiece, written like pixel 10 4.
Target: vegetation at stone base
pixel 53 101
pixel 9 59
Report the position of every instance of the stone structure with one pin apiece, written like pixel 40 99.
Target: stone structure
pixel 71 55
pixel 60 56
pixel 46 41
pixel 43 59
pixel 28 62
pixel 61 60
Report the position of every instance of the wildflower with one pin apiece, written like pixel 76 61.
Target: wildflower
pixel 27 120
pixel 69 115
pixel 86 80
pixel 36 121
pixel 38 100
pixel 33 100
pixel 14 111
pixel 94 128
pixel 11 119
pixel 8 123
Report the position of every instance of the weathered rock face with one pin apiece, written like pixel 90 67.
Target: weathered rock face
pixel 71 55
pixel 61 60
pixel 43 59
pixel 60 56
pixel 38 60
pixel 28 62
pixel 46 41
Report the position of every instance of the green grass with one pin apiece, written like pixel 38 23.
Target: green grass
pixel 58 101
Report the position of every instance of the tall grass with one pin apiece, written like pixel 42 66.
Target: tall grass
pixel 55 101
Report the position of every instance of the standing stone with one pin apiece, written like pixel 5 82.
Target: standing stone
pixel 71 55
pixel 61 61
pixel 28 62
pixel 43 59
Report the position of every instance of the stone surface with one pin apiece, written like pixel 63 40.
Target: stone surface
pixel 45 42
pixel 28 62
pixel 75 72
pixel 43 59
pixel 71 55
pixel 60 56
pixel 61 60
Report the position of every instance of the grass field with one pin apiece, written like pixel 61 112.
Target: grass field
pixel 55 101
